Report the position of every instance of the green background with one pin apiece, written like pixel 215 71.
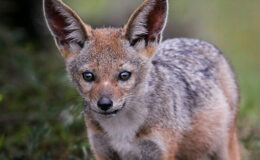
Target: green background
pixel 40 111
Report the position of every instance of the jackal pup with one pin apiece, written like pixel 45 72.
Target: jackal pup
pixel 145 99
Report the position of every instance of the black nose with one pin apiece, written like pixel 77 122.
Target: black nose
pixel 104 103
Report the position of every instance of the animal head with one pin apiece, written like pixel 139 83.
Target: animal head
pixel 108 66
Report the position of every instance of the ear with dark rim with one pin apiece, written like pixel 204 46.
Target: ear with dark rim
pixel 68 30
pixel 147 23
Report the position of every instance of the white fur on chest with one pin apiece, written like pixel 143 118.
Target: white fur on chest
pixel 121 130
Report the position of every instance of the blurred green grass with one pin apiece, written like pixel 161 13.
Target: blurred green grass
pixel 41 113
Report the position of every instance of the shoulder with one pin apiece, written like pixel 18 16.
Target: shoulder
pixel 188 43
pixel 185 49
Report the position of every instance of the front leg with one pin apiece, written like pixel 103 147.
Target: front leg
pixel 145 150
pixel 149 150
pixel 102 149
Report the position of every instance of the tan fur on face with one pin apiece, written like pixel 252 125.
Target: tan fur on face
pixel 99 89
pixel 106 52
pixel 109 39
pixel 108 55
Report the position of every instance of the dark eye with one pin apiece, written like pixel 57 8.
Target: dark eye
pixel 88 76
pixel 124 76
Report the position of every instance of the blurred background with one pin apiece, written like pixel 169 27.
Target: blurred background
pixel 40 111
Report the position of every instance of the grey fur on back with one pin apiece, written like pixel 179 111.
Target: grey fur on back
pixel 185 75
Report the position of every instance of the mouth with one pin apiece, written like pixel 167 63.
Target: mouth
pixel 109 113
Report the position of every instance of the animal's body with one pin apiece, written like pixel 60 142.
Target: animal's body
pixel 145 99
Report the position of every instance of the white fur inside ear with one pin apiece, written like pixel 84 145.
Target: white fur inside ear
pixel 74 29
pixel 75 33
pixel 74 48
pixel 140 45
pixel 140 22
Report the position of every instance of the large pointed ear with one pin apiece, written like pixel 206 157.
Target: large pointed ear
pixel 68 30
pixel 147 23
